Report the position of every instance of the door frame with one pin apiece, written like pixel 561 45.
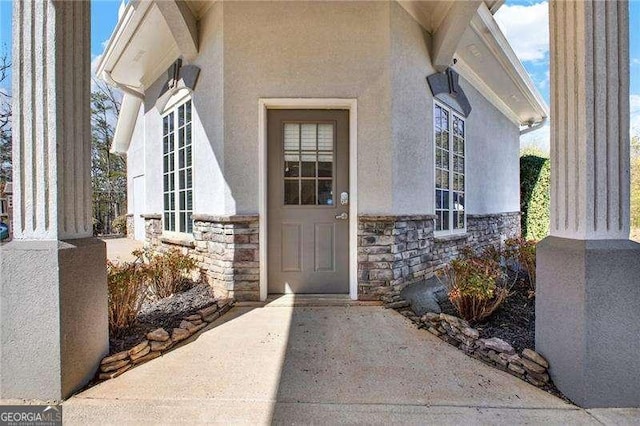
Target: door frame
pixel 349 104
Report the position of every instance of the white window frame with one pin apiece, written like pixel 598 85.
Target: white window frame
pixel 452 113
pixel 172 108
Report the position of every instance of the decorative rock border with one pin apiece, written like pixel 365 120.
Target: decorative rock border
pixel 160 341
pixel 529 365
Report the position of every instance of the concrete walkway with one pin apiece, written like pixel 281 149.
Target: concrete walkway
pixel 119 249
pixel 321 365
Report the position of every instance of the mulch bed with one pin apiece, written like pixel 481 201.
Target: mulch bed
pixel 166 313
pixel 514 322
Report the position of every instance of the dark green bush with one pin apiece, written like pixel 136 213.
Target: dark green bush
pixel 535 180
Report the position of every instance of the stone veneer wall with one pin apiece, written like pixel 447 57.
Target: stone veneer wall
pixel 225 247
pixel 394 251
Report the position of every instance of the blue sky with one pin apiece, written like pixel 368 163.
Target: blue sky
pixel 525 23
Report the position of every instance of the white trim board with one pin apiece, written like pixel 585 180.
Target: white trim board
pixel 310 103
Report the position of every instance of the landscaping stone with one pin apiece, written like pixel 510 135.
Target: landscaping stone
pixel 114 365
pixel 397 305
pixel 138 348
pixel 157 346
pixel 115 357
pixel 493 351
pixel 147 357
pixel 141 353
pixel 497 345
pixel 433 331
pixel 113 374
pixel 535 357
pixel 471 332
pixel 431 317
pixel 208 310
pixel 532 367
pixel 424 296
pixel 158 335
pixel 193 317
pixel 212 317
pixel 516 368
pixel 179 334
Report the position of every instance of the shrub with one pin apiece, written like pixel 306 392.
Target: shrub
pixel 475 284
pixel 523 252
pixel 127 288
pixel 119 224
pixel 535 180
pixel 167 273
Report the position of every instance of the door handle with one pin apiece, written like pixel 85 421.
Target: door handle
pixel 342 216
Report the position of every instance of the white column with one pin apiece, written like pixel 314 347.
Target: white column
pixel 62 284
pixel 52 127
pixel 590 120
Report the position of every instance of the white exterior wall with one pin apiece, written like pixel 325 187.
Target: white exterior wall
pixel 307 50
pixel 136 170
pixel 493 158
pixel 374 52
pixel 493 141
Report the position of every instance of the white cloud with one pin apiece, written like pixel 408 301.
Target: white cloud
pixel 634 107
pixel 635 61
pixel 527 29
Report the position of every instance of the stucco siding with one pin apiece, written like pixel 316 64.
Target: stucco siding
pixel 307 50
pixel 412 109
pixel 374 52
pixel 493 152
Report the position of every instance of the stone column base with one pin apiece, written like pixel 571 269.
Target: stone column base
pixel 53 316
pixel 588 319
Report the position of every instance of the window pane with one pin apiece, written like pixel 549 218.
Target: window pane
pixel 189 222
pixel 325 165
pixel 189 178
pixel 189 154
pixel 189 200
pixel 181 116
pixel 438 221
pixel 458 164
pixel 308 192
pixel 167 222
pixel 188 134
pixel 444 122
pixel 292 168
pixel 181 155
pixel 325 137
pixel 291 192
pixel 438 199
pixel 183 199
pixel 445 200
pixel 445 220
pixel 291 137
pixel 308 137
pixel 183 222
pixel 458 201
pixel 458 146
pixel 309 165
pixel 188 106
pixel 325 192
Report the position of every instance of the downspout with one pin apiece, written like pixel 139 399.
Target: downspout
pixel 126 89
pixel 535 126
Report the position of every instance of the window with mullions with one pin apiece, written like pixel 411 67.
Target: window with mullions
pixel 450 137
pixel 178 169
pixel 308 164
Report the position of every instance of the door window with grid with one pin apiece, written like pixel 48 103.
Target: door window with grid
pixel 178 169
pixel 308 164
pixel 450 135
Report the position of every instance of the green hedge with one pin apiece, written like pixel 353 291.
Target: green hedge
pixel 534 196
